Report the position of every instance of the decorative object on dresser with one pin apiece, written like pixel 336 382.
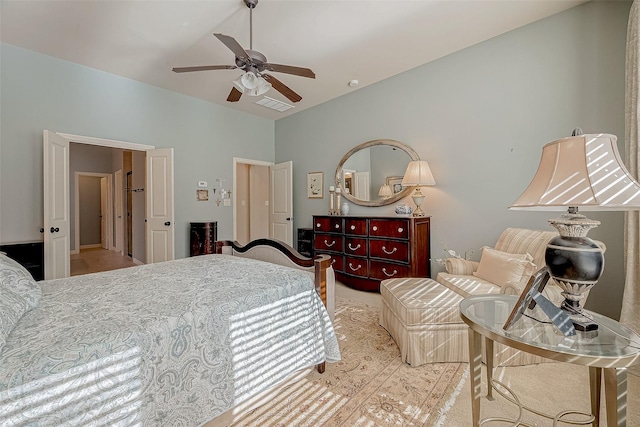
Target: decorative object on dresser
pixel 581 171
pixel 385 191
pixel 418 174
pixel 366 250
pixel 368 167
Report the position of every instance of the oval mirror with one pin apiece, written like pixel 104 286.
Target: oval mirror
pixel 364 172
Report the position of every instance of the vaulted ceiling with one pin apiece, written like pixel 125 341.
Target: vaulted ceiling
pixel 340 40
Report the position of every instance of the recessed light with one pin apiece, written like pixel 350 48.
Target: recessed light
pixel 353 83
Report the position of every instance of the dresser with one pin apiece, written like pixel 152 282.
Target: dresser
pixel 368 249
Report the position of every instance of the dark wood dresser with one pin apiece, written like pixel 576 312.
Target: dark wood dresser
pixel 366 250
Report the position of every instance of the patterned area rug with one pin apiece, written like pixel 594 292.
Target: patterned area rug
pixel 371 386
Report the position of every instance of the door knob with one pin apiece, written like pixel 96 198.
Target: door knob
pixel 54 230
pixel 288 219
pixel 168 223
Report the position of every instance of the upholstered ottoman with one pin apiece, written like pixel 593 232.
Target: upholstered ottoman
pixel 423 318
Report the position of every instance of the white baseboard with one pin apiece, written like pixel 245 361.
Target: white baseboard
pixel 95 245
pixel 137 261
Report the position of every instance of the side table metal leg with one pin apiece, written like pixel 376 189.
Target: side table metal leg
pixel 475 374
pixel 488 360
pixel 615 393
pixel 595 387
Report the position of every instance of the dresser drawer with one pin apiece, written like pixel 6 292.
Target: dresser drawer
pixel 328 224
pixel 356 266
pixel 327 242
pixel 337 261
pixel 389 249
pixel 386 270
pixel 355 246
pixel 393 228
pixel 355 227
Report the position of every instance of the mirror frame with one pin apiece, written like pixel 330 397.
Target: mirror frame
pixel 393 199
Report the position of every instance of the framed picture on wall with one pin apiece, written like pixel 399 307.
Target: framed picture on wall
pixel 315 188
pixel 395 182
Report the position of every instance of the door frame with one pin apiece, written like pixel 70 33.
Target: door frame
pixel 79 139
pixel 77 208
pixel 236 161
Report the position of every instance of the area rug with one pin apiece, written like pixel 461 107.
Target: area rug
pixel 370 386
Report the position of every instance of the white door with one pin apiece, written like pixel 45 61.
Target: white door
pixel 361 186
pixel 56 206
pixel 159 205
pixel 118 206
pixel 104 242
pixel 281 202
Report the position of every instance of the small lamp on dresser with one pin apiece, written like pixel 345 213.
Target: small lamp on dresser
pixel 418 174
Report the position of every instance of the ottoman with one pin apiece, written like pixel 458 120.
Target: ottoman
pixel 423 318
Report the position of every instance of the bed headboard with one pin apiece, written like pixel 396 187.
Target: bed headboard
pixel 278 252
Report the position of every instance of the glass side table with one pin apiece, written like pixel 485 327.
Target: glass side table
pixel 607 355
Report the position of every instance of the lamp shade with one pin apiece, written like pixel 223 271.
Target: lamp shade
pixel 582 171
pixel 418 173
pixel 385 191
pixel 251 84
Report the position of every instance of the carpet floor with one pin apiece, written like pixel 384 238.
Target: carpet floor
pixel 370 386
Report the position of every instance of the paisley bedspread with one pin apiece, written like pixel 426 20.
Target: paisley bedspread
pixel 168 344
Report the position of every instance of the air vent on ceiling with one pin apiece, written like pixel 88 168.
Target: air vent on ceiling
pixel 274 104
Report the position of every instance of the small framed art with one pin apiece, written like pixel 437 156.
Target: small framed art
pixel 315 185
pixel 395 182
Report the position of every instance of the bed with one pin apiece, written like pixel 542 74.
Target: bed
pixel 178 343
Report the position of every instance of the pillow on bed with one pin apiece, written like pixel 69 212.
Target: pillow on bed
pixel 16 278
pixel 12 308
pixel 502 268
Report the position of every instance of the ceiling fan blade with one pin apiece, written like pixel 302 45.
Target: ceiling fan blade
pixel 235 47
pixel 290 69
pixel 203 68
pixel 282 88
pixel 234 95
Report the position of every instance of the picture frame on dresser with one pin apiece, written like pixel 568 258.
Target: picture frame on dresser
pixel 315 186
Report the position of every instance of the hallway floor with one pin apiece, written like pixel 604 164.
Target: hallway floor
pixel 97 259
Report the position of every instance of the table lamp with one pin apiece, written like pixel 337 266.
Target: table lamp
pixel 418 174
pixel 385 191
pixel 583 171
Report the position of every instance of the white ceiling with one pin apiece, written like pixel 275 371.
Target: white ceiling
pixel 340 40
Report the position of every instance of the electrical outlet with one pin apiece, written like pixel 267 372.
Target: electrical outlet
pixel 202 184
pixel 227 202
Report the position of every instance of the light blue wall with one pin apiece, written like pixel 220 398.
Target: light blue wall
pixel 480 117
pixel 40 92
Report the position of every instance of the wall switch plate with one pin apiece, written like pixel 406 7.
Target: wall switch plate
pixel 227 202
pixel 202 184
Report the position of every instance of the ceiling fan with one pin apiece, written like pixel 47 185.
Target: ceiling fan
pixel 255 81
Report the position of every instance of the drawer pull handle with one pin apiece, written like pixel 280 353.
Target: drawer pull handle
pixel 353 227
pixel 337 226
pixel 400 229
pixel 355 269
pixel 384 270
pixel 375 228
pixel 384 249
pixel 327 244
pixel 354 249
pixel 318 225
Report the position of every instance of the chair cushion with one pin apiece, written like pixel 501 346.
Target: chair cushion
pixel 421 301
pixel 503 268
pixel 467 286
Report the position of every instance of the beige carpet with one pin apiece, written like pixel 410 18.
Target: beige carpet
pixel 372 387
pixel 369 387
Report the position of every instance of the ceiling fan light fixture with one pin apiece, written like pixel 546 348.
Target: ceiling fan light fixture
pixel 249 80
pixel 252 85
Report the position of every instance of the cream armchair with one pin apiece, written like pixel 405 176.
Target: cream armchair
pixel 505 268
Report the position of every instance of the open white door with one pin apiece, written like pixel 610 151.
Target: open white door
pixel 361 186
pixel 159 205
pixel 104 242
pixel 281 202
pixel 119 191
pixel 56 206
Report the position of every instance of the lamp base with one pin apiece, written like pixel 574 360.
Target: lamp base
pixel 418 198
pixel 576 263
